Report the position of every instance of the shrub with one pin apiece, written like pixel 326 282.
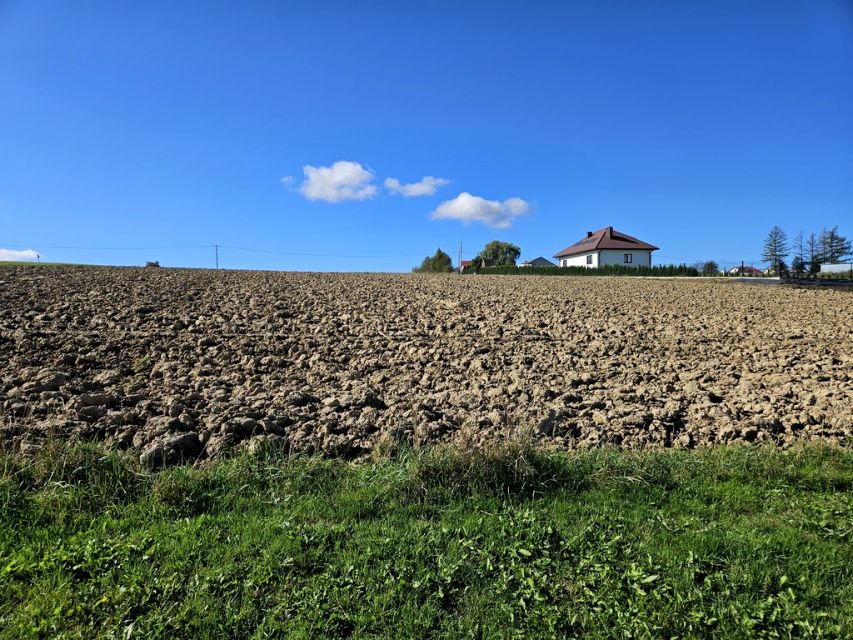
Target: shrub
pixel 439 263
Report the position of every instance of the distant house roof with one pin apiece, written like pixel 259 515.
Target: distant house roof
pixel 606 238
pixel 538 262
pixel 467 263
pixel 746 269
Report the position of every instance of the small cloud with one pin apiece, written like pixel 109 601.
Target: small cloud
pixel 492 213
pixel 425 187
pixel 287 180
pixel 344 180
pixel 12 255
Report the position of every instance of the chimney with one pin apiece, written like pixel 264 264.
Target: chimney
pixel 589 234
pixel 610 231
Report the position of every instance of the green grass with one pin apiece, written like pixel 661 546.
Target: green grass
pixel 726 543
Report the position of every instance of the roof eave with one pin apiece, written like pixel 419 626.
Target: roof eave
pixel 565 252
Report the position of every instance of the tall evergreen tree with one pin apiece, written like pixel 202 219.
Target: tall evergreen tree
pixel 798 266
pixel 775 249
pixel 812 254
pixel 833 246
pixel 799 248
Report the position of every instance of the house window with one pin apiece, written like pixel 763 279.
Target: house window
pixel 589 259
pixel 629 258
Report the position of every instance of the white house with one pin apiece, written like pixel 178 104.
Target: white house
pixel 606 247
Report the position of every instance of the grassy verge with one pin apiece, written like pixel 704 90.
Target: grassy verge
pixel 727 542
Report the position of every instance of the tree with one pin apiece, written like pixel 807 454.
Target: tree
pixel 799 248
pixel 833 246
pixel 775 249
pixel 710 268
pixel 499 254
pixel 798 266
pixel 812 254
pixel 439 263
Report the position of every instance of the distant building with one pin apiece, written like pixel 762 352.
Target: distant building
pixel 747 270
pixel 478 263
pixel 538 262
pixel 845 268
pixel 607 247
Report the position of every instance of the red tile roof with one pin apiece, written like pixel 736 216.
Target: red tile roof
pixel 606 238
pixel 746 269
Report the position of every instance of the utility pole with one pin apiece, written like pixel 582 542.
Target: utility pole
pixel 460 257
pixel 216 246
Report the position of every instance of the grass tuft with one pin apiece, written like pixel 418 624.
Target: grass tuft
pixel 515 469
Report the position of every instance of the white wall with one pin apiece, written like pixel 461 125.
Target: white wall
pixel 836 268
pixel 640 257
pixel 579 260
pixel 606 257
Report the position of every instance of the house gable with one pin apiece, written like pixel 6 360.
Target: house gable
pixel 538 262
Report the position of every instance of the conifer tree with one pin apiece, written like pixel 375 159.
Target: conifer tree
pixel 776 249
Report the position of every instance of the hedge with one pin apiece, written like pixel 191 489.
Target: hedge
pixel 668 270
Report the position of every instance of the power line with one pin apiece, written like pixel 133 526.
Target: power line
pixel 79 248
pixel 320 255
pixel 210 246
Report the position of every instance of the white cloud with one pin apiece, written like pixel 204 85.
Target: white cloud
pixel 11 255
pixel 287 180
pixel 344 180
pixel 425 187
pixel 491 213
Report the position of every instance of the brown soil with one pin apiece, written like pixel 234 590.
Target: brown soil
pixel 187 364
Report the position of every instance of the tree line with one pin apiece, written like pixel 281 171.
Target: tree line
pixel 807 252
pixel 494 254
pixel 501 258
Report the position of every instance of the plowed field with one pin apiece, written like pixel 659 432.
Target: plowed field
pixel 188 364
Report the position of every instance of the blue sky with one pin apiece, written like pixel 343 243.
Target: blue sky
pixel 695 126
